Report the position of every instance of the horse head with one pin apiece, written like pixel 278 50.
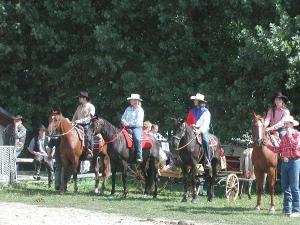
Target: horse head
pixel 54 122
pixel 258 129
pixel 179 132
pixel 96 124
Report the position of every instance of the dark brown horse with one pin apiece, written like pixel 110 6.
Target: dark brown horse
pixel 191 153
pixel 119 155
pixel 71 146
pixel 263 159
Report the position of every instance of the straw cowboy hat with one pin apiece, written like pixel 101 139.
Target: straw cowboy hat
pixel 290 119
pixel 199 97
pixel 280 95
pixel 135 97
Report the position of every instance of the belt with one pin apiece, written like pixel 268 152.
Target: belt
pixel 286 159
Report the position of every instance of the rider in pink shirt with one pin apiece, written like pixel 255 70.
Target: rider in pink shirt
pixel 276 114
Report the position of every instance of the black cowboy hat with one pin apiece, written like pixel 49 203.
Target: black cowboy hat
pixel 56 110
pixel 280 95
pixel 83 94
pixel 18 117
pixel 41 127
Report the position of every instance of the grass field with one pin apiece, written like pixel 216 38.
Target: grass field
pixel 167 205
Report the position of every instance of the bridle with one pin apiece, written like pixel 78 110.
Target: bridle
pixel 181 136
pixel 259 140
pixel 61 134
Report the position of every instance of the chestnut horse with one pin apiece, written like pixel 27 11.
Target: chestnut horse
pixel 263 159
pixel 71 146
pixel 100 158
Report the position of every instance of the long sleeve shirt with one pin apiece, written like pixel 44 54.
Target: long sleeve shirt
pixel 275 118
pixel 203 122
pixel 133 116
pixel 84 112
pixel 289 146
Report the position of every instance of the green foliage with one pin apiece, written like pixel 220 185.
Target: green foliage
pixel 237 53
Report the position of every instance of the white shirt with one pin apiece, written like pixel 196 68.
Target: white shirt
pixel 203 122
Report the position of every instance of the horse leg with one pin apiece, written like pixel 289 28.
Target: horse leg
pixel 259 182
pixel 185 184
pixel 124 178
pixel 95 165
pixel 272 180
pixel 113 179
pixel 75 168
pixel 105 172
pixel 194 186
pixel 154 169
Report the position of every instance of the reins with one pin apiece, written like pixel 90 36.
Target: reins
pixel 63 134
pixel 179 138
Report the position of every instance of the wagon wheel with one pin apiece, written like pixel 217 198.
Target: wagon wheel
pixel 135 178
pixel 232 187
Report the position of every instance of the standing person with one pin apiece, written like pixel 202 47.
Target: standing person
pixel 133 118
pixel 289 150
pixel 276 114
pixel 39 148
pixel 84 112
pixel 15 134
pixel 199 118
pixel 54 149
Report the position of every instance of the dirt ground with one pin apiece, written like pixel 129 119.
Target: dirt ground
pixel 22 214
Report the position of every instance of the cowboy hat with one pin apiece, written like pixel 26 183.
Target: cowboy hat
pixel 290 119
pixel 83 94
pixel 18 117
pixel 135 96
pixel 55 110
pixel 199 97
pixel 280 95
pixel 41 127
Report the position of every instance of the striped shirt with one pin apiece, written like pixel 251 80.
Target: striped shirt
pixel 289 146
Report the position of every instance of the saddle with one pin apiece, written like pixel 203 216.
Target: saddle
pixel 147 142
pixel 212 141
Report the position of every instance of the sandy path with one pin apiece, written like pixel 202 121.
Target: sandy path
pixel 22 214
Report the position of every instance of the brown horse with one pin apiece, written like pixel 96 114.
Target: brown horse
pixel 263 159
pixel 71 146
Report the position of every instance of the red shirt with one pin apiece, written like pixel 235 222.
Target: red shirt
pixel 289 146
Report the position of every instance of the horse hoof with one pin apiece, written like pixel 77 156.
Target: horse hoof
pixel 154 197
pixel 257 208
pixel 194 201
pixel 272 210
pixel 184 199
pixel 96 191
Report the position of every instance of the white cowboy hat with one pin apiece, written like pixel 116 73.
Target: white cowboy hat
pixel 199 97
pixel 290 119
pixel 135 96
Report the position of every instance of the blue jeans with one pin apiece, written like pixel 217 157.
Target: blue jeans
pixel 282 132
pixel 290 185
pixel 205 143
pixel 137 140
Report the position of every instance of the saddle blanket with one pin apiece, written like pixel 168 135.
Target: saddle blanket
pixel 147 142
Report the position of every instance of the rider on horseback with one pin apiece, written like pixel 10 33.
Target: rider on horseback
pixel 199 118
pixel 133 118
pixel 274 120
pixel 83 115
